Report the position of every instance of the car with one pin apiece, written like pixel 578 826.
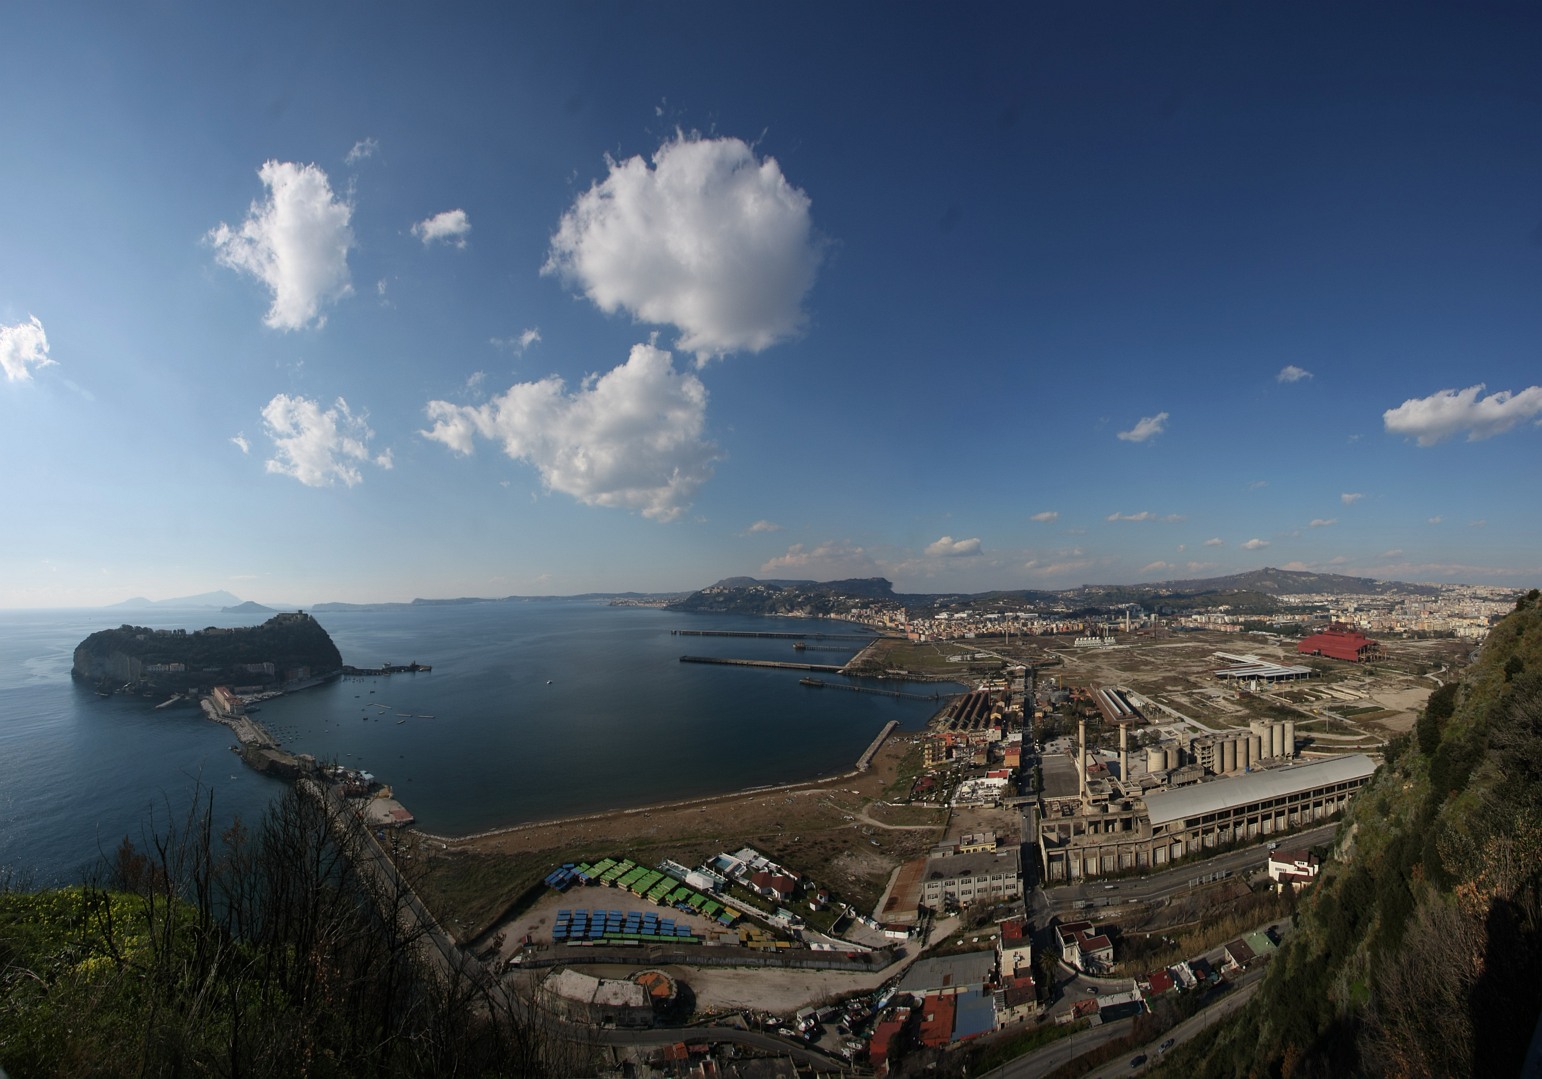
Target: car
pixel 1138 1061
pixel 1165 1046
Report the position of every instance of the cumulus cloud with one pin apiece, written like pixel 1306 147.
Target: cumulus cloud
pixel 23 347
pixel 296 243
pixel 948 547
pixel 318 447
pixel 631 438
pixel 451 227
pixel 827 561
pixel 1255 545
pixel 1437 417
pixel 764 526
pixel 1045 516
pixel 1297 566
pixel 1349 498
pixel 362 150
pixel 1215 541
pixel 1435 520
pixel 1291 373
pixel 1323 522
pixel 1157 567
pixel 709 239
pixel 1148 427
pixel 240 442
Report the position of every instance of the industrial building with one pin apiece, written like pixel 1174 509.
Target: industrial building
pixel 1340 642
pixel 980 877
pixel 1086 839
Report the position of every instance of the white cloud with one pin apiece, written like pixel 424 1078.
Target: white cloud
pixel 451 226
pixel 764 526
pixel 517 345
pixel 1323 522
pixel 1215 541
pixel 1156 567
pixel 630 438
pixel 1046 516
pixel 240 442
pixel 710 239
pixel 23 347
pixel 362 150
pixel 296 243
pixel 1258 485
pixel 1481 522
pixel 1349 498
pixel 1296 567
pixel 318 447
pixel 1396 552
pixel 1437 417
pixel 948 547
pixel 1435 520
pixel 1145 515
pixel 828 561
pixel 1255 545
pixel 1291 373
pixel 1148 427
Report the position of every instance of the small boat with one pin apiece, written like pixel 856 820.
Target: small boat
pixel 548 681
pixel 399 722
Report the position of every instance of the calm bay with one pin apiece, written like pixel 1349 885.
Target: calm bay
pixel 533 710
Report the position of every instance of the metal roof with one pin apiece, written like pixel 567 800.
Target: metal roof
pixel 1224 794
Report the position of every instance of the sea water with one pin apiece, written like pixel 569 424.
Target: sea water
pixel 534 709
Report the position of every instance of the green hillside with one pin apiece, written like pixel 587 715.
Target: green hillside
pixel 1419 952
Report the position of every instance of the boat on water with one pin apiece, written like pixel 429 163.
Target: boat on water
pixel 817 683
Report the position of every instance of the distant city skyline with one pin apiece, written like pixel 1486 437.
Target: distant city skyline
pixel 545 301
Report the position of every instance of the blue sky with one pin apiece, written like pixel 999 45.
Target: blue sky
pixel 383 301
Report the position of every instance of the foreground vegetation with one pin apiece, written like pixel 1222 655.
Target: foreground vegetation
pixel 1418 952
pixel 255 953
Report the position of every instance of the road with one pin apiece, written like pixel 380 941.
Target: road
pixel 1056 1054
pixel 1065 899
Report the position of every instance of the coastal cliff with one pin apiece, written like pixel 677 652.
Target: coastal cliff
pixel 286 648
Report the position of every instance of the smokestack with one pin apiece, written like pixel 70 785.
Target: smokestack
pixel 1124 755
pixel 1081 756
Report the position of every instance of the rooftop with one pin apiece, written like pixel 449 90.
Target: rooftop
pixel 1234 791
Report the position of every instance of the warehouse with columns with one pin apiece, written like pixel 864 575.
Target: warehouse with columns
pixel 1097 835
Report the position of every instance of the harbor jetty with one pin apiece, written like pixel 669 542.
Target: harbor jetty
pixel 385 669
pixel 825 667
pixel 897 694
pixel 774 636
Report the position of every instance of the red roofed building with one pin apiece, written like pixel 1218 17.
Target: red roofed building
pixel 1340 642
pixel 885 1040
pixel 937 1020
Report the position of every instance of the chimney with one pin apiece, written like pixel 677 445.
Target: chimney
pixel 1081 756
pixel 1124 755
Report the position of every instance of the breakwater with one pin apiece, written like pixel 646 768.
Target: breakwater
pixel 825 667
pixel 897 694
pixel 773 636
pixel 388 668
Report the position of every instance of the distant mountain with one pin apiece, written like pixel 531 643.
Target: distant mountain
pixel 1258 590
pixel 220 599
pixel 1276 582
pixel 745 595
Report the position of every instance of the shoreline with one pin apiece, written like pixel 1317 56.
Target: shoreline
pixel 864 764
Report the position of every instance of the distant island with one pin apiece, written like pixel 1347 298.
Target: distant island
pixel 285 650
